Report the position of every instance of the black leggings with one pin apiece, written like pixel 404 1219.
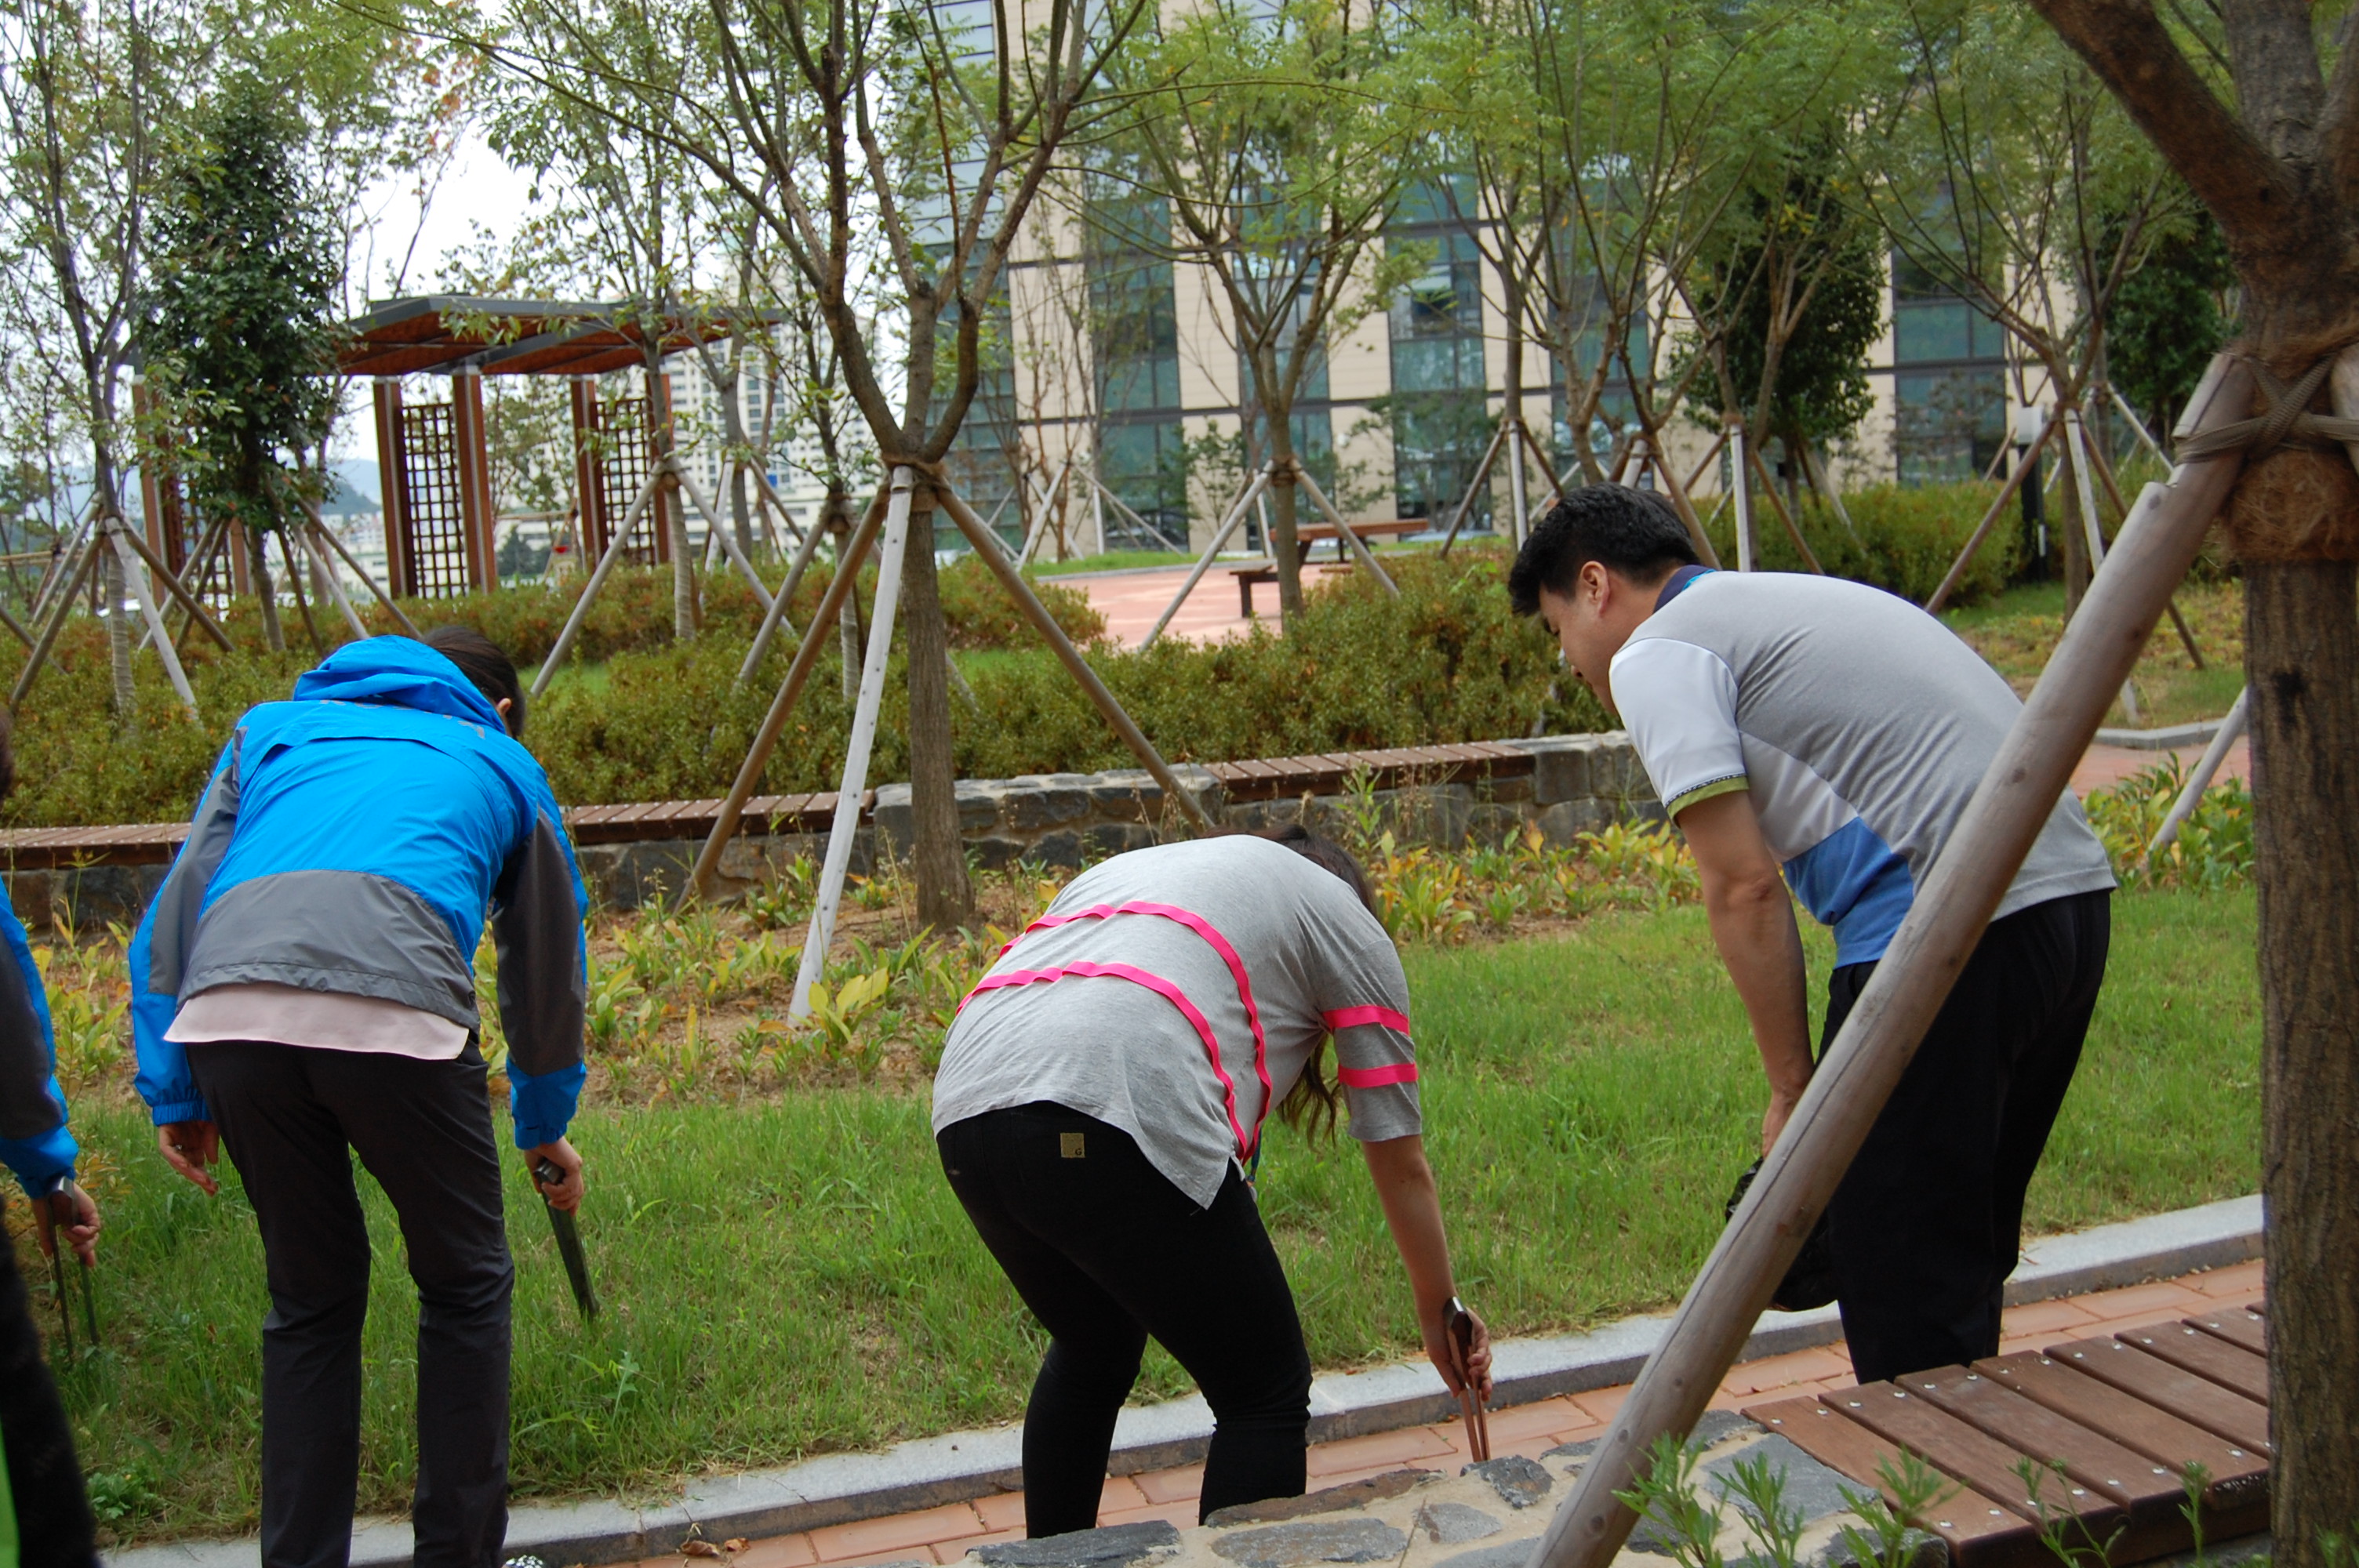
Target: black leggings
pixel 1106 1252
pixel 1928 1220
pixel 54 1528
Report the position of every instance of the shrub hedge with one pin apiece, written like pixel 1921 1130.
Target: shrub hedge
pixel 1907 539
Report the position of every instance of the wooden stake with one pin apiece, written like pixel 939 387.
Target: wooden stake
pixel 70 582
pixel 2076 449
pixel 1474 488
pixel 328 534
pixel 1071 657
pixel 1359 545
pixel 1778 504
pixel 776 616
pixel 615 547
pixel 2019 792
pixel 2114 494
pixel 1957 572
pixel 2206 769
pixel 1739 489
pixel 1229 526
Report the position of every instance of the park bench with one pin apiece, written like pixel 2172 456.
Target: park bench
pixel 1310 533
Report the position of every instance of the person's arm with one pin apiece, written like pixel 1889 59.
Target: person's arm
pixel 1753 924
pixel 158 959
pixel 1413 1212
pixel 543 994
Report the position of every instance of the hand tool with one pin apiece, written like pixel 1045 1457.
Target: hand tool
pixel 569 1240
pixel 1457 1324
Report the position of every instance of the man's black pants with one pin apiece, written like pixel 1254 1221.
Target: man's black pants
pixel 289 1115
pixel 54 1529
pixel 1929 1222
pixel 1106 1252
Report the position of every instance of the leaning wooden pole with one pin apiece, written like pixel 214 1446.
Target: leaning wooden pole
pixel 757 756
pixel 1077 666
pixel 1957 572
pixel 1229 526
pixel 2032 770
pixel 776 616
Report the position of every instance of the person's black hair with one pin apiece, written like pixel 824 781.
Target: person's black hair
pixel 1633 532
pixel 1310 1106
pixel 481 660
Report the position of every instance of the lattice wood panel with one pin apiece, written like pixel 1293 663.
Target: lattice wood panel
pixel 625 463
pixel 434 529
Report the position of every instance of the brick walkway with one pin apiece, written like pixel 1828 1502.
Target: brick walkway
pixel 1132 601
pixel 944 1535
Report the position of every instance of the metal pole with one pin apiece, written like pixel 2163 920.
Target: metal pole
pixel 327 575
pixel 1684 505
pixel 856 752
pixel 2076 451
pixel 1473 488
pixel 1701 463
pixel 1124 507
pixel 1748 549
pixel 1824 483
pixel 757 756
pixel 2019 792
pixel 1516 497
pixel 74 542
pixel 2122 404
pixel 1778 504
pixel 2206 770
pixel 615 547
pixel 1957 573
pixel 1229 526
pixel 172 584
pixel 1076 665
pixel 113 531
pixel 1047 498
pixel 777 615
pixel 1359 545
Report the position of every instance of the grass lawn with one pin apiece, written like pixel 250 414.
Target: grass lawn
pixel 2017 630
pixel 788 1274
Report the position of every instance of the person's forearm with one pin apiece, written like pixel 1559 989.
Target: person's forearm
pixel 1753 924
pixel 1413 1214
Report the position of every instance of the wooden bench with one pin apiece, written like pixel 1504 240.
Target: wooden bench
pixel 1309 533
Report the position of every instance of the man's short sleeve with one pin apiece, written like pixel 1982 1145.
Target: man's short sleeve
pixel 1680 703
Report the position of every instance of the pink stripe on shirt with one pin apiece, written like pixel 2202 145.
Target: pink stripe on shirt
pixel 1376 1077
pixel 1353 1017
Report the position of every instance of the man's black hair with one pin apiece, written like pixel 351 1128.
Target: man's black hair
pixel 484 665
pixel 1633 532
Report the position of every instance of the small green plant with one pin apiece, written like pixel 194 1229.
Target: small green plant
pixel 1757 1488
pixel 2340 1548
pixel 2192 1481
pixel 1889 1540
pixel 2059 1526
pixel 1665 1496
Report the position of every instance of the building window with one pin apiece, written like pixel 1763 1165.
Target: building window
pixel 1949 381
pixel 1439 407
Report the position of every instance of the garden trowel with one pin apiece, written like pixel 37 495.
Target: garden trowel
pixel 48 1206
pixel 568 1242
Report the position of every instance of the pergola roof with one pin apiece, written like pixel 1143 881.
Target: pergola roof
pixel 445 332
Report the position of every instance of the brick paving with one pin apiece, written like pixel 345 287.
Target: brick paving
pixel 944 1535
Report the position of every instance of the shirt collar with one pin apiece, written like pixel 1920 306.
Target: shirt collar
pixel 1679 583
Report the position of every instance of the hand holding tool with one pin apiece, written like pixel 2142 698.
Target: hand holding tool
pixel 57 1207
pixel 1458 1327
pixel 569 1240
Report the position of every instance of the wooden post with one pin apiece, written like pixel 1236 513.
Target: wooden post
pixel 581 612
pixel 1077 666
pixel 1229 526
pixel 1359 547
pixel 1517 496
pixel 1473 488
pixel 2205 771
pixel 1957 572
pixel 757 756
pixel 479 527
pixel 393 480
pixel 2019 792
pixel 589 472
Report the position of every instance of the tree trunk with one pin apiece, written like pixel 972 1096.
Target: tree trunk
pixel 937 854
pixel 118 625
pixel 741 510
pixel 2069 527
pixel 2301 663
pixel 257 557
pixel 1284 495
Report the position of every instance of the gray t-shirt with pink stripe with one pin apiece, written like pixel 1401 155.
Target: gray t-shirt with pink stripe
pixel 1176 992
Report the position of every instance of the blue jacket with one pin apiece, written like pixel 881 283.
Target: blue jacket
pixel 350 841
pixel 34 1141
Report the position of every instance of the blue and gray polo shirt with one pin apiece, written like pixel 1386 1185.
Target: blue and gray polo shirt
pixel 1860 725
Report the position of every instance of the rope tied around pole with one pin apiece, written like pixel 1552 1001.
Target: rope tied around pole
pixel 2288 419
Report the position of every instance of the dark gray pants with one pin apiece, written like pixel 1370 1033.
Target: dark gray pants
pixel 292 1118
pixel 54 1529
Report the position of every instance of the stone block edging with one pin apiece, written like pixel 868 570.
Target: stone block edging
pixel 838 1488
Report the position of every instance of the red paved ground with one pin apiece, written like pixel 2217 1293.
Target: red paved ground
pixel 944 1535
pixel 2107 765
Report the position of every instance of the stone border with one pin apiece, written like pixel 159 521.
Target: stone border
pixel 838 1488
pixel 2169 736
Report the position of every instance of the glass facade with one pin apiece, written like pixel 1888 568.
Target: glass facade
pixel 1949 381
pixel 1442 420
pixel 1135 353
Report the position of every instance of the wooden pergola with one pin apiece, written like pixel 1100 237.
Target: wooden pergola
pixel 440 533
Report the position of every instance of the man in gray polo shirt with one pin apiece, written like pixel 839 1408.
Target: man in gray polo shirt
pixel 1817 740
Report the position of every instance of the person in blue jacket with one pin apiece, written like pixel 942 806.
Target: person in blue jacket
pixel 44 1512
pixel 303 989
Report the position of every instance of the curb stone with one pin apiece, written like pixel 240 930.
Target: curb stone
pixel 840 1488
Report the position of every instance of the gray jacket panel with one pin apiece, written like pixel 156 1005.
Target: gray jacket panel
pixel 180 902
pixel 26 1111
pixel 536 927
pixel 334 931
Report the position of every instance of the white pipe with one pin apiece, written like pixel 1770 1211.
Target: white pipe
pixel 362 572
pixel 714 533
pixel 1749 551
pixel 136 578
pixel 776 616
pixel 597 580
pixel 856 755
pixel 326 577
pixel 2085 481
pixel 2231 728
pixel 1204 563
pixel 1517 497
pixel 2130 414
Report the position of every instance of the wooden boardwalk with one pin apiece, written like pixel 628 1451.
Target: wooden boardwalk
pixel 2110 1429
